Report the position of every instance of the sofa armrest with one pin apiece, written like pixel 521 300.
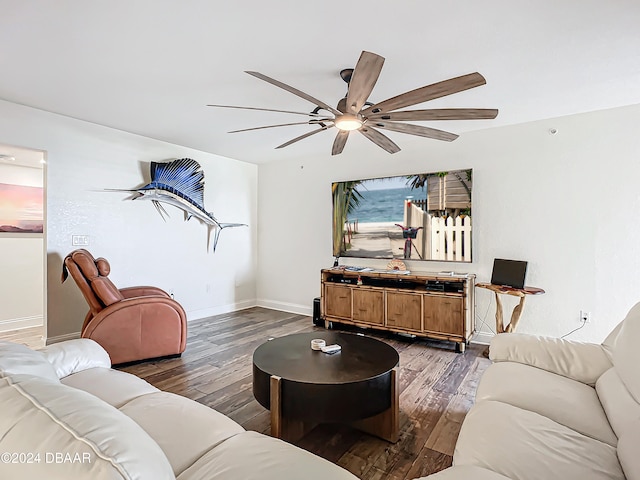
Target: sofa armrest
pixel 583 362
pixel 131 292
pixel 74 356
pixel 465 472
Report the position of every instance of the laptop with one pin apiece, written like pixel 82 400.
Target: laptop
pixel 509 273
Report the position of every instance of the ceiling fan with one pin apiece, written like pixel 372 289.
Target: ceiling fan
pixel 354 112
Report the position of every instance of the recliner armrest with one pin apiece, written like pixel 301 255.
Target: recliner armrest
pixel 139 328
pixel 583 362
pixel 144 291
pixel 74 356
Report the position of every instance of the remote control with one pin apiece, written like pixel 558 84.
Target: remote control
pixel 331 348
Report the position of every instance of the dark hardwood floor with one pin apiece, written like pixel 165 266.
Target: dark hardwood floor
pixel 437 387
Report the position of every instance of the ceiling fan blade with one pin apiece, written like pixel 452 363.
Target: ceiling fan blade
pixel 428 92
pixel 339 142
pixel 363 79
pixel 295 91
pixel 417 130
pixel 311 122
pixel 437 114
pixel 310 114
pixel 379 139
pixel 302 137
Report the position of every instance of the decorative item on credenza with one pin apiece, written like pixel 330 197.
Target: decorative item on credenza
pixel 396 264
pixel 180 183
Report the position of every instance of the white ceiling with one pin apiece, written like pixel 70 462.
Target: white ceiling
pixel 151 66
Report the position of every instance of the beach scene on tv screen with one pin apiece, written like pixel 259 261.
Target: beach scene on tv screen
pixel 424 216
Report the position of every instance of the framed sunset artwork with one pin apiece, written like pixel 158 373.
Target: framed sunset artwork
pixel 21 209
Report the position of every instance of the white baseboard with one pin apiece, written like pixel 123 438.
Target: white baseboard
pixel 482 338
pixel 211 311
pixel 286 307
pixel 62 338
pixel 20 323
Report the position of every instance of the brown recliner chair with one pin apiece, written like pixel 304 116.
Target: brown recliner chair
pixel 131 324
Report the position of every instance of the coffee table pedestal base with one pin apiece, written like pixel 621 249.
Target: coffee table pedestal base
pixel 385 425
pixel 282 427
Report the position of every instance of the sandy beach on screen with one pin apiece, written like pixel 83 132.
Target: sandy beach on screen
pixel 376 240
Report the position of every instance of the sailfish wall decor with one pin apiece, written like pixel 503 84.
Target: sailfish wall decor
pixel 181 183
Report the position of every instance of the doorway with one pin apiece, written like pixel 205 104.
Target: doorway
pixel 22 245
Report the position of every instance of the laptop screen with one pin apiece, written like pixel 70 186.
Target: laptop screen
pixel 509 273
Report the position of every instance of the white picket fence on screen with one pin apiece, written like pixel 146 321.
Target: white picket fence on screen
pixel 450 238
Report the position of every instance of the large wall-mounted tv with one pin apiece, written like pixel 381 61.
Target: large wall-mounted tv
pixel 424 216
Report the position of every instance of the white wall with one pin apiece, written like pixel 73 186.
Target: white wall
pixel 85 159
pixel 567 203
pixel 21 263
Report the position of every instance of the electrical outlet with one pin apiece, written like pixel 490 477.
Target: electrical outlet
pixel 585 317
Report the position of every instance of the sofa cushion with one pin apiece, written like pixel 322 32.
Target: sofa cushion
pixel 580 361
pixel 628 451
pixel 253 456
pixel 617 402
pixel 75 355
pixel 565 401
pixel 524 445
pixel 465 472
pixel 609 343
pixel 46 417
pixel 625 354
pixel 194 428
pixel 114 387
pixel 16 359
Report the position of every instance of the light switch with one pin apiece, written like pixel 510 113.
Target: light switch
pixel 80 240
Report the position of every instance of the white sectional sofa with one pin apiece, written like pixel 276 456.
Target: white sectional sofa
pixel 547 409
pixel 65 414
pixel 551 409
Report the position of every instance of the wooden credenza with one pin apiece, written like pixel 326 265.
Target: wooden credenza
pixel 428 305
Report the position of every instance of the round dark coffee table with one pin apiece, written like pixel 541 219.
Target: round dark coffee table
pixel 303 387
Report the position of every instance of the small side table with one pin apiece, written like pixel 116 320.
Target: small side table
pixel 517 311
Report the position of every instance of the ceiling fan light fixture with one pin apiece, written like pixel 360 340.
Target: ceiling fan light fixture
pixel 348 122
pixel 356 112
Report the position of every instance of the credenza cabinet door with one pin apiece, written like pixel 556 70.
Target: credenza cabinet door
pixel 338 301
pixel 368 306
pixel 444 314
pixel 404 310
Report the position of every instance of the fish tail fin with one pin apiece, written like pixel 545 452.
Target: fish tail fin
pixel 218 230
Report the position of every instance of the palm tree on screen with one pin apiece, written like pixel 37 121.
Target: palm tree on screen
pixel 346 199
